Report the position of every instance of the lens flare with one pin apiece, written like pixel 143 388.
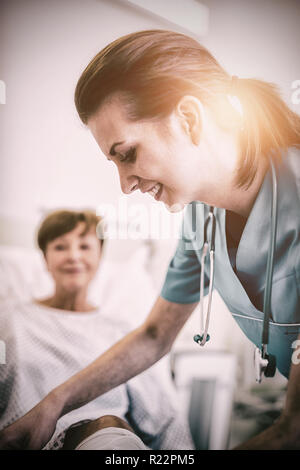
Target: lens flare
pixel 236 104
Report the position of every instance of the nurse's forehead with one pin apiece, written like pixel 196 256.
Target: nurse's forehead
pixel 110 126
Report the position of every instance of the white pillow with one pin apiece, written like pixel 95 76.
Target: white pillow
pixel 23 274
pixel 124 289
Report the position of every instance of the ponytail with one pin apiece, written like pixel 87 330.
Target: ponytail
pixel 269 125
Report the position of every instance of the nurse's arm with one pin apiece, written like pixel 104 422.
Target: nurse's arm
pixel 136 352
pixel 284 434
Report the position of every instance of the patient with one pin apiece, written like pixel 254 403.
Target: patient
pixel 49 340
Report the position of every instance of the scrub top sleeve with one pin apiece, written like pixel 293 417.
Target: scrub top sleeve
pixel 182 282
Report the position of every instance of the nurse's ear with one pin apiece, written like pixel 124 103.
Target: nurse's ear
pixel 190 112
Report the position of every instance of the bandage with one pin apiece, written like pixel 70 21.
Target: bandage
pixel 112 439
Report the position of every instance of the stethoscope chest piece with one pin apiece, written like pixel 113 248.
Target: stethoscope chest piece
pixel 264 364
pixel 199 339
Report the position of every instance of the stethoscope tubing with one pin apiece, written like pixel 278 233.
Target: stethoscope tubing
pixel 270 261
pixel 211 248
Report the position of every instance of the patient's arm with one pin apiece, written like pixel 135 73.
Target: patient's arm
pixel 133 354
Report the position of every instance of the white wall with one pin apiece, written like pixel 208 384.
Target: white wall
pixel 48 158
pixel 257 38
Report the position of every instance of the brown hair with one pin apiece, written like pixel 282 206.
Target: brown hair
pixel 154 69
pixel 64 221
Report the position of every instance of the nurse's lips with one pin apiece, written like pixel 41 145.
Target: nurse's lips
pixel 158 195
pixel 156 191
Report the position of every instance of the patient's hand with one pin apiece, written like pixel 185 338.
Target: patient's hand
pixel 33 430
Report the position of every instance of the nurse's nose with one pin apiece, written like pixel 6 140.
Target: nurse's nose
pixel 128 183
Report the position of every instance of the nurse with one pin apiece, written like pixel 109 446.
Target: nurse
pixel 179 127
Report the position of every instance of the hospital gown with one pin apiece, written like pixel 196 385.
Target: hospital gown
pixel 46 346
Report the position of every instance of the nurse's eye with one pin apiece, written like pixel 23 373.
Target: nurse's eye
pixel 129 156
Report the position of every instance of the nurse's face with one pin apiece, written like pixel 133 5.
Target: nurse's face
pixel 166 158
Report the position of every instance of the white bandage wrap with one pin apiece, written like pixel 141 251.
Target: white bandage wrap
pixel 112 439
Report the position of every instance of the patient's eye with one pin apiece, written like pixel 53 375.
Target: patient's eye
pixel 129 156
pixel 84 246
pixel 59 247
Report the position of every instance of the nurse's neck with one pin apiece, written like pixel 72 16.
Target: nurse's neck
pixel 241 200
pixel 219 187
pixel 224 192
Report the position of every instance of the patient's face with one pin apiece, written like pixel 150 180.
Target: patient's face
pixel 73 258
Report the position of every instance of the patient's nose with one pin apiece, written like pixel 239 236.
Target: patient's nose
pixel 73 253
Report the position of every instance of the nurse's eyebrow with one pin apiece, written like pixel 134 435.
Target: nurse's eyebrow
pixel 112 151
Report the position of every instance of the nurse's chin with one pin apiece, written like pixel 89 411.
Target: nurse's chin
pixel 176 207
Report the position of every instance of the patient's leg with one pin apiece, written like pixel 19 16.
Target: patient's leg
pixel 77 434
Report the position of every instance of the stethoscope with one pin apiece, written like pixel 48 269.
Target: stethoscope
pixel 264 363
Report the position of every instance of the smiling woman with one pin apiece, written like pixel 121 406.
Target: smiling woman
pixel 195 133
pixel 173 119
pixel 72 253
pixel 154 69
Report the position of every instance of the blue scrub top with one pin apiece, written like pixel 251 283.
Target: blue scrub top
pixel 247 281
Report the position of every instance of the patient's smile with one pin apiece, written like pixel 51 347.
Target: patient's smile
pixel 73 259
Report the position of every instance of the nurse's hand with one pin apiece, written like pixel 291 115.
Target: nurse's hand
pixel 34 429
pixel 284 434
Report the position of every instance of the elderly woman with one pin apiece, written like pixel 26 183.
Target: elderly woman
pixel 49 340
pixel 179 127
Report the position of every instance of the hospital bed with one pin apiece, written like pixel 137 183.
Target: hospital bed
pixel 204 380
